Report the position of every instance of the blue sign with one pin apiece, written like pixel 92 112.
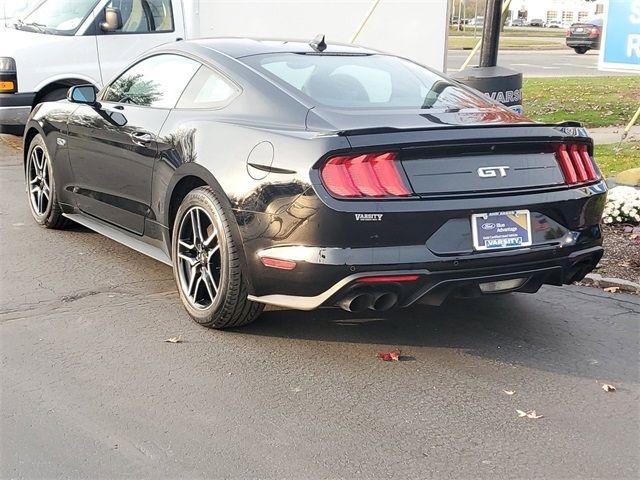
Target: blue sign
pixel 620 48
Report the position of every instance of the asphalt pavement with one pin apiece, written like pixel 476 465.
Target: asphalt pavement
pixel 90 389
pixel 538 63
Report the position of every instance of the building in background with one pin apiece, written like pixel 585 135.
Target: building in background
pixel 564 11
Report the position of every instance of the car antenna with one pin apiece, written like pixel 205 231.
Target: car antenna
pixel 318 43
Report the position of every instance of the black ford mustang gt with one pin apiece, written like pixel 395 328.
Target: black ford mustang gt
pixel 290 174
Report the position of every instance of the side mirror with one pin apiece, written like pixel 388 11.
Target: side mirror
pixel 112 20
pixel 84 94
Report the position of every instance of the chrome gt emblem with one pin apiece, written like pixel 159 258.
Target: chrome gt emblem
pixel 489 172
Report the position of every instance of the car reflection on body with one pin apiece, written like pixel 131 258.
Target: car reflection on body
pixel 313 175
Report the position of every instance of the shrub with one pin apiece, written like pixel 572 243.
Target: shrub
pixel 623 206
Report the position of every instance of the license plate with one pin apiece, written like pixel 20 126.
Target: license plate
pixel 579 30
pixel 501 230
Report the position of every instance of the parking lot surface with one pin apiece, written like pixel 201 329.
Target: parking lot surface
pixel 90 389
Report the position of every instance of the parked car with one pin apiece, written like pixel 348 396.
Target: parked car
pixel 518 22
pixel 478 21
pixel 584 36
pixel 313 175
pixel 554 24
pixel 536 22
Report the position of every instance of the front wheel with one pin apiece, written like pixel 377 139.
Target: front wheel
pixel 41 186
pixel 581 50
pixel 206 264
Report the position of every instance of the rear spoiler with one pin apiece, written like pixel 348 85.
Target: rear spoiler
pixel 565 127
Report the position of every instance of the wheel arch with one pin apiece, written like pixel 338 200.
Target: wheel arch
pixel 58 84
pixel 30 132
pixel 186 178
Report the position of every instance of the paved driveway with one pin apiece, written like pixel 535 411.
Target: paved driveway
pixel 91 390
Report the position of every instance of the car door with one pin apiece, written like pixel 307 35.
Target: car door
pixel 144 25
pixel 113 146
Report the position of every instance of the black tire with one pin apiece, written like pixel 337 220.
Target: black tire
pixel 230 306
pixel 48 214
pixel 581 50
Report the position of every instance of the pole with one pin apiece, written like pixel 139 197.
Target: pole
pixel 355 35
pixel 491 33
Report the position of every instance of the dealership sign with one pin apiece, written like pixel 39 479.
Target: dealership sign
pixel 620 49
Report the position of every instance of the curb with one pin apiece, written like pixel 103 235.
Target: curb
pixel 597 280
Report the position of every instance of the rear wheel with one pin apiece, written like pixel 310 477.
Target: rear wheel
pixel 206 264
pixel 41 187
pixel 581 50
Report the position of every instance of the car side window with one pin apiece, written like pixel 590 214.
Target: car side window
pixel 208 89
pixel 156 81
pixel 144 16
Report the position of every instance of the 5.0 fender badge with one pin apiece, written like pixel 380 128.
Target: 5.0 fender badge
pixel 368 217
pixel 61 141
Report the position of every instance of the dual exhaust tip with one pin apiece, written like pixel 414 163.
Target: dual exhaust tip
pixel 377 301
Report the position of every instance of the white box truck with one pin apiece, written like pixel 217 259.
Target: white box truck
pixel 59 43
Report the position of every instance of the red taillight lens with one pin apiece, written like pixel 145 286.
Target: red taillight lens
pixel 373 175
pixel 576 164
pixel 389 279
pixel 594 32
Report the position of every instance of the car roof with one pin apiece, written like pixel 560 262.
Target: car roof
pixel 242 47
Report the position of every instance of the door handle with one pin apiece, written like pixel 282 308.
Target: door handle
pixel 141 138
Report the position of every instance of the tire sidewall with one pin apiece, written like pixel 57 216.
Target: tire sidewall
pixel 40 219
pixel 201 198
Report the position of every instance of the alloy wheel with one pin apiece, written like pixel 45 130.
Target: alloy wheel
pixel 39 181
pixel 199 261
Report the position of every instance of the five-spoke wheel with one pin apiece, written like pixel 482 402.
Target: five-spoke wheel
pixel 199 258
pixel 206 262
pixel 39 175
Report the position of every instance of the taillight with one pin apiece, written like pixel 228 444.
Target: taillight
pixel 576 164
pixel 367 175
pixel 594 32
pixel 568 32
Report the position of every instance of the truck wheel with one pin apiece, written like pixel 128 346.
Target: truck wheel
pixel 206 264
pixel 41 187
pixel 581 50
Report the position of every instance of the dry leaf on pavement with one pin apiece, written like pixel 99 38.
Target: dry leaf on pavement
pixel 608 388
pixel 611 289
pixel 177 339
pixel 392 356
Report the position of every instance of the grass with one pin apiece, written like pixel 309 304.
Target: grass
pixel 613 159
pixel 512 43
pixel 510 32
pixel 594 101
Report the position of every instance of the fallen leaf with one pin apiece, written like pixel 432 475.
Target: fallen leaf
pixel 529 414
pixel 392 356
pixel 177 339
pixel 509 392
pixel 611 289
pixel 608 388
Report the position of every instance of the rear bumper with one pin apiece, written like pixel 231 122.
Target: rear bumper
pixel 434 286
pixel 589 43
pixel 15 109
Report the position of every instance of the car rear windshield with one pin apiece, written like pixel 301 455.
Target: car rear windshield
pixel 365 81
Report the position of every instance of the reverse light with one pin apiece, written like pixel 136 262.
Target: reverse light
pixel 368 175
pixel 576 164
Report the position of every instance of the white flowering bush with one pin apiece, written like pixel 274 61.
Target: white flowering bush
pixel 623 206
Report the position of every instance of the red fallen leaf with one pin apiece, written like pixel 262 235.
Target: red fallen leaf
pixel 392 356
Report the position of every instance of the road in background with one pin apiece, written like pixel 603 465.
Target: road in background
pixel 91 390
pixel 538 63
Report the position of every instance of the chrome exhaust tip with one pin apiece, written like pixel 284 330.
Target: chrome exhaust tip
pixel 356 303
pixel 384 301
